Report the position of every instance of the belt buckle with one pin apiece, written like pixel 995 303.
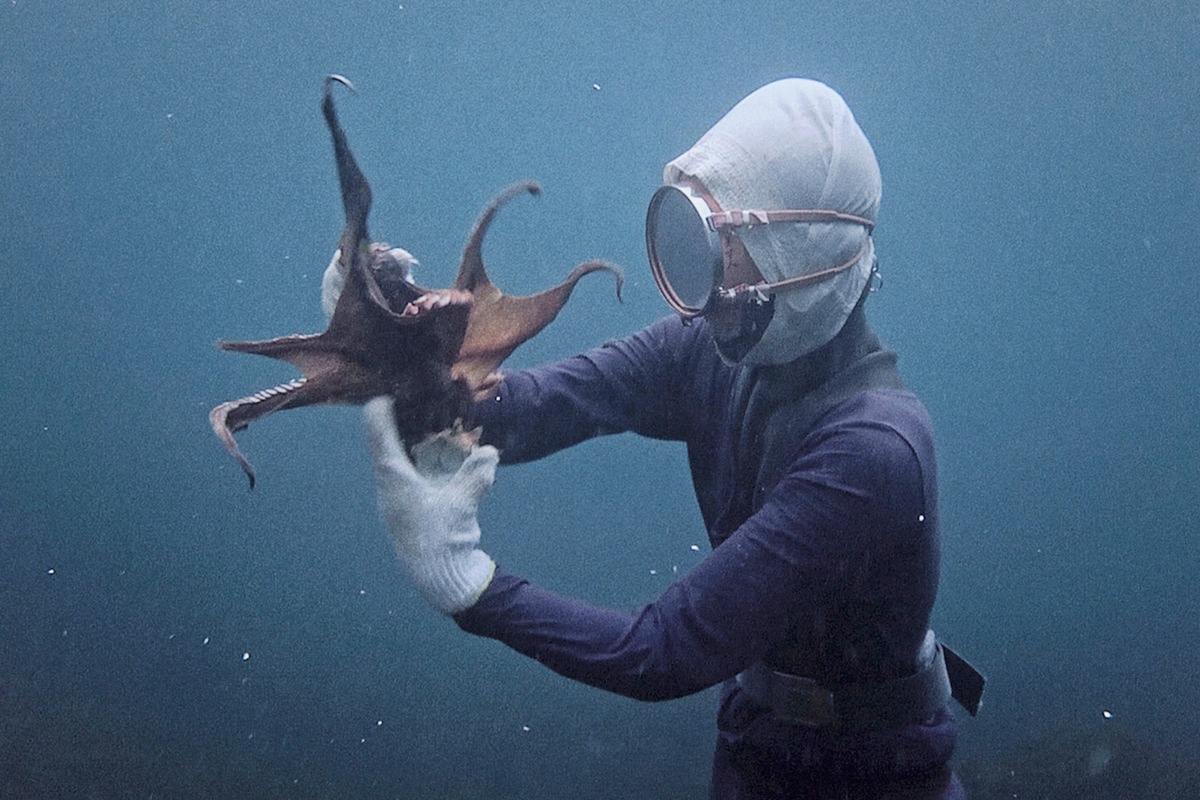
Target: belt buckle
pixel 802 701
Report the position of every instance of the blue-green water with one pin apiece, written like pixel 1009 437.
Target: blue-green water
pixel 166 180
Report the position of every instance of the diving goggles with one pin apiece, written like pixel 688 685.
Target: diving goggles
pixel 683 240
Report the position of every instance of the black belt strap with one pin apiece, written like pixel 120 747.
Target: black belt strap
pixel 912 699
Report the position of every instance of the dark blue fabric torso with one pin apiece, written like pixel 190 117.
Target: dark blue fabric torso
pixel 827 568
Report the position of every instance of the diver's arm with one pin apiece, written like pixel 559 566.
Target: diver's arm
pixel 741 601
pixel 635 384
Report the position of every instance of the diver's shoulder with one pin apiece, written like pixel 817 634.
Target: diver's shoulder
pixel 899 409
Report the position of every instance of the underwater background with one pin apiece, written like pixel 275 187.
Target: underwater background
pixel 166 180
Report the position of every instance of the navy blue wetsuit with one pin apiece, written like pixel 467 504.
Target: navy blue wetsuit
pixel 834 574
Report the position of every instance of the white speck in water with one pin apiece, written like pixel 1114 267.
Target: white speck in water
pixel 245 656
pixel 362 591
pixel 920 517
pixel 205 640
pixel 1106 714
pixel 596 87
pixel 50 571
pixel 525 728
pixel 695 548
pixel 170 116
pixel 378 723
pixel 653 572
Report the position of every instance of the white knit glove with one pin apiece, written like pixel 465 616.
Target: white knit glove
pixel 430 505
pixel 335 274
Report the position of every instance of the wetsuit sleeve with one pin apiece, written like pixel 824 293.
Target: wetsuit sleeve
pixel 787 560
pixel 626 385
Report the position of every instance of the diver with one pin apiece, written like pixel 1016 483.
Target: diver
pixel 813 467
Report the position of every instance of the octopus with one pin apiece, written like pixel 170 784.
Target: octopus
pixel 433 350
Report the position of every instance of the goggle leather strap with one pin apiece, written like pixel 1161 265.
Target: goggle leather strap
pixel 739 218
pixel 788 283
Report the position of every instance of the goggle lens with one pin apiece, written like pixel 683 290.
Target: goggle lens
pixel 685 255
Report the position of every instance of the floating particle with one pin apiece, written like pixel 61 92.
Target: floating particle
pixel 50 571
pixel 525 728
pixel 205 640
pixel 1106 714
pixel 596 87
pixel 245 656
pixel 695 548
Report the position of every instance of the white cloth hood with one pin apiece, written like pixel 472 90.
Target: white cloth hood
pixel 794 144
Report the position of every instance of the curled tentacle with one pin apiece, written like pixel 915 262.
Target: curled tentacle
pixel 471 273
pixel 356 192
pixel 228 418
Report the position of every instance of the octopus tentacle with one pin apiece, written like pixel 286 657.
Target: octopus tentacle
pixel 233 416
pixel 471 274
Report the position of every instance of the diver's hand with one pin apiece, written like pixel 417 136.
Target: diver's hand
pixel 383 257
pixel 430 505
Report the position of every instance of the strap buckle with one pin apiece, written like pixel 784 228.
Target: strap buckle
pixel 793 698
pixel 802 701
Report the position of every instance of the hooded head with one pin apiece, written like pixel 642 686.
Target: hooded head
pixel 794 144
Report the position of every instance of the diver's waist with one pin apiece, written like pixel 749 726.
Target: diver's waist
pixel 912 699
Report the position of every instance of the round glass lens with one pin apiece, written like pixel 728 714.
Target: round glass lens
pixel 686 255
